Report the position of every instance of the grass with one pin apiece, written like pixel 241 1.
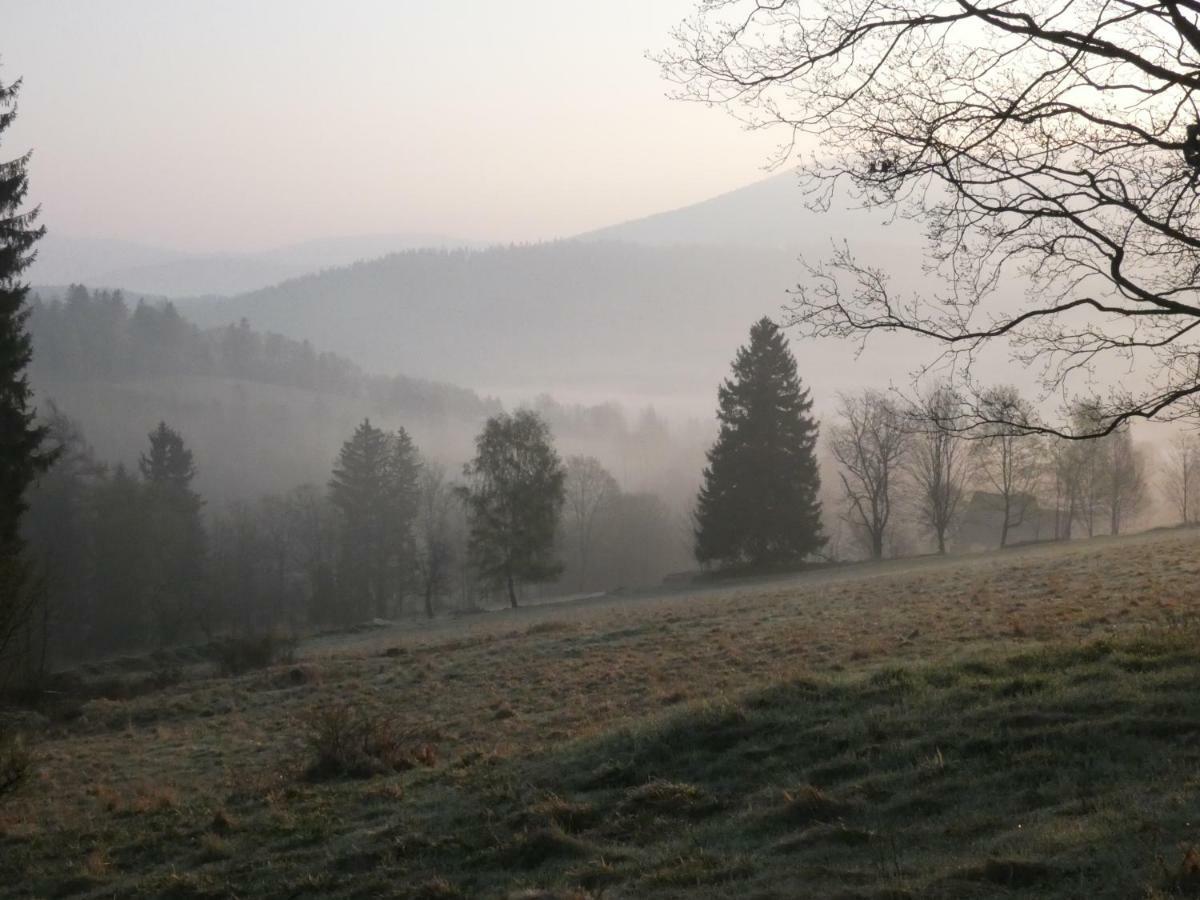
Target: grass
pixel 1025 724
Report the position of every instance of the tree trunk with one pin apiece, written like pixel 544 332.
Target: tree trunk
pixel 512 591
pixel 941 541
pixel 429 600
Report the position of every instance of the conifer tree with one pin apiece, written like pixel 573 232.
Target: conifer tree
pixel 22 457
pixel 758 504
pixel 375 489
pixel 122 617
pixel 175 541
pixel 404 502
pixel 358 489
pixel 514 495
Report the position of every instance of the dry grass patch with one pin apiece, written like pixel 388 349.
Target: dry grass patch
pixel 542 845
pixel 669 798
pixel 556 810
pixel 806 804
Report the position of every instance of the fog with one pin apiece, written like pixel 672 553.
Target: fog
pixel 284 235
pixel 638 448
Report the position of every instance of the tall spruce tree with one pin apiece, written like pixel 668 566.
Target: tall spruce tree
pixel 514 497
pixel 375 488
pixel 176 547
pixel 22 456
pixel 758 505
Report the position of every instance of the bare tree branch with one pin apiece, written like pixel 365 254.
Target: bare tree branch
pixel 1055 146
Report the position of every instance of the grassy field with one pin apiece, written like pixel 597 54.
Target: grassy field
pixel 1016 724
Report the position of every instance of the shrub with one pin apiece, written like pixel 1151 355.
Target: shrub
pixel 355 743
pixel 16 763
pixel 238 655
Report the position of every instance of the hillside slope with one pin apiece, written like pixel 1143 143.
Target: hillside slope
pixel 582 320
pixel 771 213
pixel 166 272
pixel 652 309
pixel 1019 724
pixel 260 411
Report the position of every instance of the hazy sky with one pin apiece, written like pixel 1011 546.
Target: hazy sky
pixel 228 124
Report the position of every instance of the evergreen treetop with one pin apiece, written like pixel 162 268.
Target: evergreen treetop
pixel 169 462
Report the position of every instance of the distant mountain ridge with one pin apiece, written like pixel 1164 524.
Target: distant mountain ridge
pixel 767 213
pixel 652 308
pixel 596 318
pixel 165 272
pixel 771 213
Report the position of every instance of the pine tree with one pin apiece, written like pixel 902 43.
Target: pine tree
pixel 121 539
pixel 22 457
pixel 358 489
pixel 515 498
pixel 176 545
pixel 758 505
pixel 375 488
pixel 404 502
pixel 169 464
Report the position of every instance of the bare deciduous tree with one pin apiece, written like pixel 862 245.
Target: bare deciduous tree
pixel 314 526
pixel 939 462
pixel 1009 462
pixel 590 491
pixel 1079 469
pixel 1182 475
pixel 1058 144
pixel 1124 479
pixel 869 445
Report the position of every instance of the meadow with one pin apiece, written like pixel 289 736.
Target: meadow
pixel 1024 723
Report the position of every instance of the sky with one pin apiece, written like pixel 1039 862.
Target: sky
pixel 232 125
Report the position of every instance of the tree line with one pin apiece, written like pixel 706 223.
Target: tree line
pixel 94 335
pixel 131 558
pixel 908 466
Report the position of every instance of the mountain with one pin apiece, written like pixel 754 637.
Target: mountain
pixel 771 213
pixel 62 259
pixel 164 272
pixel 651 310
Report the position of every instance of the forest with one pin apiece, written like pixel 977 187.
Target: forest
pixel 135 555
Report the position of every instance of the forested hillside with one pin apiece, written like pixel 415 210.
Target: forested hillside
pixel 577 318
pixel 264 412
pixel 193 490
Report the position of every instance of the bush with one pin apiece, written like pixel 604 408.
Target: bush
pixel 16 763
pixel 238 655
pixel 354 743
